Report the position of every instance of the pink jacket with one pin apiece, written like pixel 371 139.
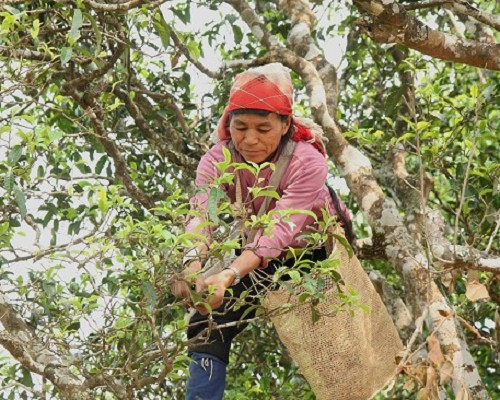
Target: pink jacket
pixel 302 187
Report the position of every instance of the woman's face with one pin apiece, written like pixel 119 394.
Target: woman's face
pixel 257 137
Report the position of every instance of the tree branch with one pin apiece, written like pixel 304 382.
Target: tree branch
pixel 176 157
pixel 371 248
pixel 86 79
pixel 20 341
pixel 42 253
pixel 166 99
pixel 257 27
pixel 97 118
pixel 396 307
pixel 429 225
pixel 461 6
pixel 178 43
pixel 122 7
pixel 388 22
pixel 26 54
pixel 301 41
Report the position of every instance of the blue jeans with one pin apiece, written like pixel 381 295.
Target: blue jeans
pixel 207 378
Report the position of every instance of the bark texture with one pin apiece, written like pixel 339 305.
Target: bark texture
pixel 389 22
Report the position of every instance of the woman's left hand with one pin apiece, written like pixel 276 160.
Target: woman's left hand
pixel 215 286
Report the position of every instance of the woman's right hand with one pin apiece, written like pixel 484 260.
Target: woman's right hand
pixel 186 279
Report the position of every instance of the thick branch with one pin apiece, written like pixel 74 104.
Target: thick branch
pixel 25 54
pixel 388 22
pixel 122 7
pixel 258 28
pixel 20 341
pixel 396 307
pixel 462 7
pixel 455 256
pixel 301 41
pixel 372 248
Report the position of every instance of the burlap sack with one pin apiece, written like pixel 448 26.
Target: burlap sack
pixel 343 356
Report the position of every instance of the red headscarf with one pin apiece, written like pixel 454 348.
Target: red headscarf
pixel 269 88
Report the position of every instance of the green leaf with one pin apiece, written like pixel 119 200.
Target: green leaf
pixel 15 154
pixel 194 49
pixel 55 135
pixel 238 33
pixel 469 144
pixel 40 171
pixel 257 192
pixel 343 241
pixel 76 24
pixel 304 296
pixel 4 227
pixel 295 275
pixel 8 181
pixel 162 29
pixel 421 125
pixel 406 136
pixel 97 32
pixel 149 291
pixel 393 99
pixel 474 91
pixel 36 29
pixel 26 380
pixel 215 195
pixel 100 164
pixel 315 316
pixel 378 134
pixel 20 200
pixel 66 54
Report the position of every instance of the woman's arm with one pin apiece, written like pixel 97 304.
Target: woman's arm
pixel 306 181
pixel 304 190
pixel 206 173
pixel 245 263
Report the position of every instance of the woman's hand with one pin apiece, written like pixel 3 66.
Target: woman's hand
pixel 214 288
pixel 187 278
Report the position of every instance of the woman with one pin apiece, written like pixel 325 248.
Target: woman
pixel 257 124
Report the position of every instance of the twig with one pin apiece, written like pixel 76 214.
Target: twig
pixel 187 54
pixel 467 171
pixel 494 234
pixel 471 328
pixel 39 254
pixel 418 330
